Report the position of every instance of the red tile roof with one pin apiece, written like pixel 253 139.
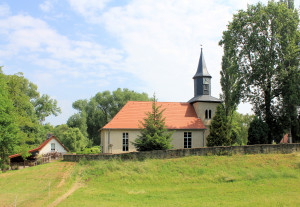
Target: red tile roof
pixel 41 146
pixel 15 155
pixel 178 116
pixel 46 142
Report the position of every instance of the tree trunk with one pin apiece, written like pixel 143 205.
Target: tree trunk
pixel 268 110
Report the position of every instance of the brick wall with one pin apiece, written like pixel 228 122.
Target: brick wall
pixel 204 151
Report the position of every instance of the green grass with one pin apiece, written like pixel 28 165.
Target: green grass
pixel 31 185
pixel 248 180
pixel 239 180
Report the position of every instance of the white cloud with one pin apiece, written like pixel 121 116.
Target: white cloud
pixel 160 45
pixel 4 10
pixel 32 38
pixel 46 6
pixel 162 38
pixel 90 9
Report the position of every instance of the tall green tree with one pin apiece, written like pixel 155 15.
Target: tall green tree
pixel 100 109
pixel 289 76
pixel 45 106
pixel 59 130
pixel 154 134
pixel 258 132
pixel 72 138
pixel 27 101
pixel 257 39
pixel 111 103
pixel 95 121
pixel 240 126
pixel 218 129
pixel 9 131
pixel 79 120
pixel 232 85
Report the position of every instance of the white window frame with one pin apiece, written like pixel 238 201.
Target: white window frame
pixel 125 144
pixel 52 146
pixel 187 140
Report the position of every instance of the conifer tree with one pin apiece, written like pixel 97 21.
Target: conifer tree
pixel 154 134
pixel 218 129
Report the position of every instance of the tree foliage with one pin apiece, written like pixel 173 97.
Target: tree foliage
pixel 262 43
pixel 9 131
pixel 20 115
pixel 72 138
pixel 258 132
pixel 99 110
pixel 231 84
pixel 218 129
pixel 154 134
pixel 45 106
pixel 30 108
pixel 240 127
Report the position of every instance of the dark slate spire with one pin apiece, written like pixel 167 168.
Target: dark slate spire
pixel 202 83
pixel 202 70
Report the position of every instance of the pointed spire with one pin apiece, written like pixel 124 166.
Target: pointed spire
pixel 202 70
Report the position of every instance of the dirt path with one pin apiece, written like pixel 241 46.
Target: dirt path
pixel 75 186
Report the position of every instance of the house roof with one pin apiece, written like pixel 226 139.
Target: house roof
pixel 205 98
pixel 177 116
pixel 41 147
pixel 46 142
pixel 15 155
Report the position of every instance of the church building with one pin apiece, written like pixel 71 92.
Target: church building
pixel 190 121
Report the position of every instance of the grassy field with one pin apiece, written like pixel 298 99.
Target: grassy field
pixel 30 186
pixel 239 180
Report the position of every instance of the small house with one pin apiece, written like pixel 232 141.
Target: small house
pixel 51 148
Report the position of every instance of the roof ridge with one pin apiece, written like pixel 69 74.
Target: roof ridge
pixel 157 102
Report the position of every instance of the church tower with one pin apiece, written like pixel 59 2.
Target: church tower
pixel 202 79
pixel 204 104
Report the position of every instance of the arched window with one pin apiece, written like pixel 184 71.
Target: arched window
pixel 206 114
pixel 209 114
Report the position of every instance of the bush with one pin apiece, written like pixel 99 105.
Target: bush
pixel 92 150
pixel 258 132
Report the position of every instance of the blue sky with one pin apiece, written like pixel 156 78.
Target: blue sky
pixel 73 49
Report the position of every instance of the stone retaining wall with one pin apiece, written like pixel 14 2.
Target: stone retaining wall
pixel 204 151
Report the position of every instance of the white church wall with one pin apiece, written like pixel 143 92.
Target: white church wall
pixel 178 138
pixel 112 140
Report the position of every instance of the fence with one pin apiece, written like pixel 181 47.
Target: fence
pixel 45 158
pixel 204 151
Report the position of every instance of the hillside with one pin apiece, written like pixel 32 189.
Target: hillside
pixel 249 180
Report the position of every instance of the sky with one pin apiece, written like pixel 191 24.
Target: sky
pixel 72 49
